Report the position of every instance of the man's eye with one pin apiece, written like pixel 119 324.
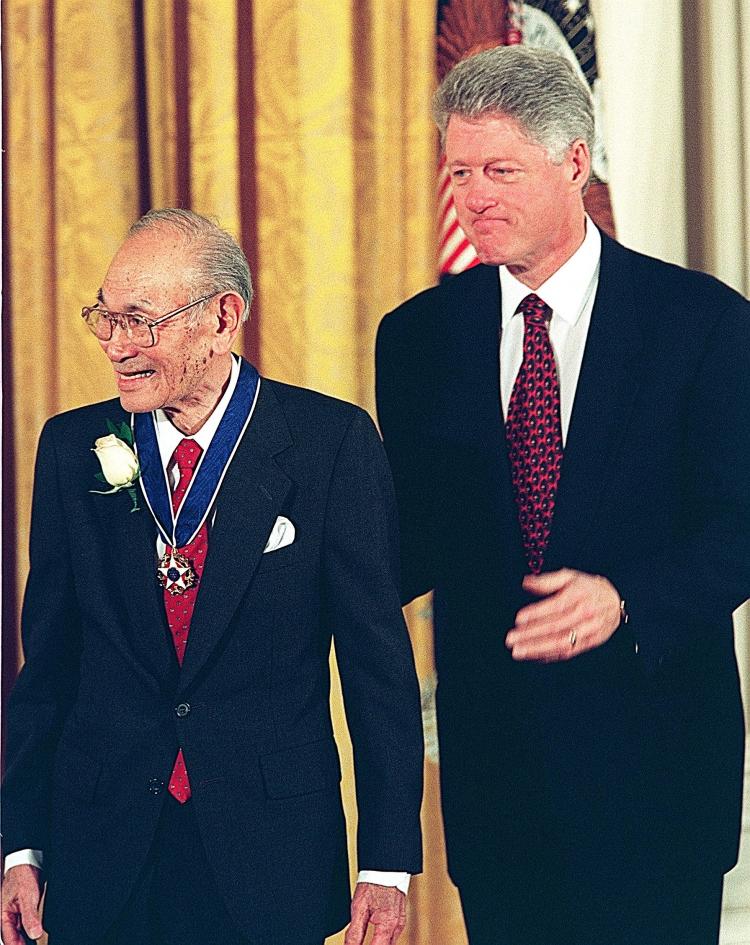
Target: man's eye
pixel 459 173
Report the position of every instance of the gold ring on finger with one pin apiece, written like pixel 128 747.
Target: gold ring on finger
pixel 573 638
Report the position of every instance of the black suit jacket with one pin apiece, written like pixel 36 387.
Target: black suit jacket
pixel 634 749
pixel 92 724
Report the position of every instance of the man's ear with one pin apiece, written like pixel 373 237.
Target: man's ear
pixel 579 157
pixel 228 320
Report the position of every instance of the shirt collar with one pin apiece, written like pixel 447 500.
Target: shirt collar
pixel 567 290
pixel 169 437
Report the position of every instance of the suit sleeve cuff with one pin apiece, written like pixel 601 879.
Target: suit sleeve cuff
pixel 24 858
pixel 381 878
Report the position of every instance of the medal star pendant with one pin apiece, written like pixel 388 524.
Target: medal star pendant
pixel 176 574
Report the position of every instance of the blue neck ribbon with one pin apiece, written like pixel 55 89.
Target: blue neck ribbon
pixel 180 528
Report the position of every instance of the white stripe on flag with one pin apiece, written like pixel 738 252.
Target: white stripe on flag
pixel 465 259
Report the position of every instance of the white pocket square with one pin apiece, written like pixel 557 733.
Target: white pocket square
pixel 282 534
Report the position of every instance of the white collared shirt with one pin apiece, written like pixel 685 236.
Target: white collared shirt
pixel 570 293
pixel 169 437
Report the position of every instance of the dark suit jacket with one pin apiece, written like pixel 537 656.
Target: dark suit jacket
pixel 633 751
pixel 92 724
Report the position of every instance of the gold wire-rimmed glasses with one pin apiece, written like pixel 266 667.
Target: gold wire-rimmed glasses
pixel 138 328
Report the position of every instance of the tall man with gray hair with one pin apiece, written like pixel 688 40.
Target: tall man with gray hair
pixel 195 545
pixel 567 425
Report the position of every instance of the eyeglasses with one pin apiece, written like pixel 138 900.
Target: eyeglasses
pixel 138 328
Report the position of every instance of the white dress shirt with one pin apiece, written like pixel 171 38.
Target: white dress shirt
pixel 570 293
pixel 168 438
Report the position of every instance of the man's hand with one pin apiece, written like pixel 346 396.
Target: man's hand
pixel 384 907
pixel 22 890
pixel 579 612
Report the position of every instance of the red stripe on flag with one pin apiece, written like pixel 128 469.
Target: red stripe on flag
pixel 445 265
pixel 445 236
pixel 450 205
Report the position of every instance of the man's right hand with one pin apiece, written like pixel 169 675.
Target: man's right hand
pixel 22 891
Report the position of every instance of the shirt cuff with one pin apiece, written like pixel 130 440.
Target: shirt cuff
pixel 381 878
pixel 24 858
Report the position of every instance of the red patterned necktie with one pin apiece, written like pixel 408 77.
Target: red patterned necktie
pixel 179 607
pixel 534 433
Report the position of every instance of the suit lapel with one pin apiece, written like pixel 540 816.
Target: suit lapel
pixel 131 538
pixel 250 499
pixel 479 420
pixel 607 387
pixel 475 325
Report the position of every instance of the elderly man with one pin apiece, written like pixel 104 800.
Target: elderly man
pixel 567 425
pixel 194 547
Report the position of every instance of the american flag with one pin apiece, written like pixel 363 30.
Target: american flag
pixel 465 27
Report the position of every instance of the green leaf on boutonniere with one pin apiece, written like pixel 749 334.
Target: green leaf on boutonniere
pixel 134 499
pixel 113 428
pixel 100 477
pixel 126 433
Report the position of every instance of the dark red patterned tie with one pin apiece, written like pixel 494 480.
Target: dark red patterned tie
pixel 179 607
pixel 534 432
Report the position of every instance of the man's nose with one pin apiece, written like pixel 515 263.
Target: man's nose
pixel 119 345
pixel 480 195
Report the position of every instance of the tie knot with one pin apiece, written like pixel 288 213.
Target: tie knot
pixel 534 310
pixel 187 454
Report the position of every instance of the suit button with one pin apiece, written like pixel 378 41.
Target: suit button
pixel 182 710
pixel 155 786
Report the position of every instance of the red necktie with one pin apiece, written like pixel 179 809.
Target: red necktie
pixel 179 607
pixel 534 433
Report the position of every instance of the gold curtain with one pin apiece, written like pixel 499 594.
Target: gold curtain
pixel 303 127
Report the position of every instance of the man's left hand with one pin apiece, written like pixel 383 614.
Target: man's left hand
pixel 578 612
pixel 384 907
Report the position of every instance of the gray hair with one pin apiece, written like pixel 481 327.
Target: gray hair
pixel 221 264
pixel 538 88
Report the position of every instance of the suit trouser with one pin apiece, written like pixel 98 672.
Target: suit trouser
pixel 176 900
pixel 531 900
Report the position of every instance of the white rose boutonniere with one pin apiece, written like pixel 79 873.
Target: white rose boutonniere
pixel 119 463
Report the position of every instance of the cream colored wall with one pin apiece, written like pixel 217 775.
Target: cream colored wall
pixel 718 34
pixel 677 96
pixel 641 41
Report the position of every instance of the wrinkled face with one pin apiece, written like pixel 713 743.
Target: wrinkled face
pixel 151 275
pixel 514 204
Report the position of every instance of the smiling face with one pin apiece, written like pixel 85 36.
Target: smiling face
pixel 517 208
pixel 184 372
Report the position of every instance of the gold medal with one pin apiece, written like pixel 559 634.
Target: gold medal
pixel 175 573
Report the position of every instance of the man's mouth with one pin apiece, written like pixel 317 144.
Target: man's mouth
pixel 127 378
pixel 487 222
